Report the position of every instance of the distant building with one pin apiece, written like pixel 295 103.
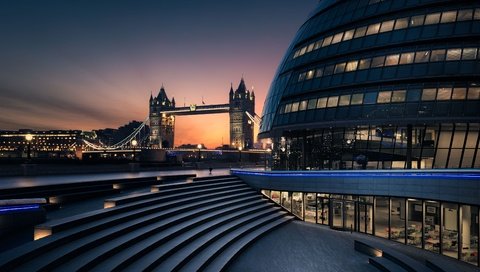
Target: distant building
pixel 241 127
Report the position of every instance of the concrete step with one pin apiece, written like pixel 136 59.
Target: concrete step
pixel 385 265
pixel 193 185
pixel 221 261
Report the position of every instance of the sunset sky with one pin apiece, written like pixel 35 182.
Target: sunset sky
pixel 93 64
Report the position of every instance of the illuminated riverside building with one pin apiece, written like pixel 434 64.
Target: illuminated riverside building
pixel 373 85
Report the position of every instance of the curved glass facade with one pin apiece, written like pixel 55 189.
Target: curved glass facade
pixel 371 84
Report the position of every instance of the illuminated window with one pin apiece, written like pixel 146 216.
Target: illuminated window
pixel 422 56
pixel 344 100
pixel 454 54
pixel 340 67
pixel 318 44
pixel 384 97
pixel 364 64
pixel 295 106
pixel 465 15
pixel 469 53
pixel 473 93
pixel 311 104
pixel 399 96
pixel 296 53
pixel 337 38
pixel 322 103
pixel 444 93
pixel 377 61
pixel 360 32
pixel 310 47
pixel 449 16
pixel 392 60
pixel 387 26
pixel 348 35
pixel 288 108
pixel 406 58
pixel 401 23
pixel 357 99
pixel 417 20
pixel 303 105
pixel 310 74
pixel 438 55
pixel 477 14
pixel 327 41
pixel 459 93
pixel 303 50
pixel 373 29
pixel 351 66
pixel 332 101
pixel 319 72
pixel 429 94
pixel 433 18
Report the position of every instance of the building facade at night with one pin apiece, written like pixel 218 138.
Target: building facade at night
pixel 380 84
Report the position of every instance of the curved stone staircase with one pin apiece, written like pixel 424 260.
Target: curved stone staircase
pixel 194 226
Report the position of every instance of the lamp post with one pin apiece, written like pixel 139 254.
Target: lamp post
pixel 29 138
pixel 240 155
pixel 268 150
pixel 134 144
pixel 199 146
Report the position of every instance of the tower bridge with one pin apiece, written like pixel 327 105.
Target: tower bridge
pixel 240 107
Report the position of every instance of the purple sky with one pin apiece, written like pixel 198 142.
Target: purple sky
pixel 92 64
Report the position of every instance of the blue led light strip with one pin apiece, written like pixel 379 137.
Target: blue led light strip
pixel 7 209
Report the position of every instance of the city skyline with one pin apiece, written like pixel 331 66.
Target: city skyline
pixel 94 65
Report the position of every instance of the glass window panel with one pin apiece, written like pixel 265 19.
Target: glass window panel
pixel 473 93
pixel 296 53
pixel 310 207
pixel 319 72
pixel 397 220
pixel 310 47
pixel 392 60
pixel 288 108
pixel 444 93
pixel 407 58
pixel 450 230
pixel 465 15
pixel 373 29
pixel 275 196
pixel 433 18
pixel 422 56
pixel 472 139
pixel 381 216
pixel 327 41
pixel 332 101
pixel 322 103
pixel 301 77
pixel 458 139
pixel 384 97
pixel 432 226
pixel 344 100
pixel 340 67
pixel 449 16
pixel 303 50
pixel 454 54
pixel 286 200
pixel 360 32
pixel 328 70
pixel 351 66
pixel 429 94
pixel 417 20
pixel 477 14
pixel 414 222
pixel 399 96
pixel 297 204
pixel 364 64
pixel 377 61
pixel 357 99
pixel 303 105
pixel 370 98
pixel 295 106
pixel 387 26
pixel 401 23
pixel 310 74
pixel 311 104
pixel 445 138
pixel 318 44
pixel 469 53
pixel 438 55
pixel 459 93
pixel 348 34
pixel 469 220
pixel 337 38
pixel 413 95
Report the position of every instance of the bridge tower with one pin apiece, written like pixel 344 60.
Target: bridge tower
pixel 162 126
pixel 241 127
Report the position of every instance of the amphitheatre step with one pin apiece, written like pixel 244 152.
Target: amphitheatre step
pixel 196 181
pixel 385 265
pixel 221 261
pixel 87 259
pixel 161 253
pixel 84 227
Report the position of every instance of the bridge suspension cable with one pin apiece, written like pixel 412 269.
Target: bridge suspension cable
pixel 255 118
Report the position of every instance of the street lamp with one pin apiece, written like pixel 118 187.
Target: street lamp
pixel 240 155
pixel 268 150
pixel 199 146
pixel 29 138
pixel 134 144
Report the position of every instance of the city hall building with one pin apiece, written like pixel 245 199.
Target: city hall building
pixel 389 91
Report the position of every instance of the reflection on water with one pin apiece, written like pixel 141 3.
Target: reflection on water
pixel 16 182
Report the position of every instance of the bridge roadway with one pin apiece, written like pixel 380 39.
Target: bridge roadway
pixel 19 182
pixel 198 109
